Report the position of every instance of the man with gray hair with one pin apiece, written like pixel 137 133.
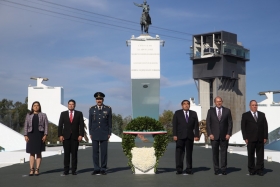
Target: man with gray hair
pixel 255 133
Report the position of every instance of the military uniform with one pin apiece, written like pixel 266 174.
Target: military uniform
pixel 100 122
pixel 100 127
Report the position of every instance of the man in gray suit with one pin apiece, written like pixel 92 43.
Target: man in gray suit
pixel 100 128
pixel 219 129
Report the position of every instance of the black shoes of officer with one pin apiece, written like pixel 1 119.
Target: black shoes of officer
pixel 189 172
pixel 99 172
pixel 252 173
pixel 217 173
pixel 260 173
pixel 95 173
pixel 179 172
pixel 74 173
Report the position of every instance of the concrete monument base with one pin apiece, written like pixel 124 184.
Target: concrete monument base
pixel 151 171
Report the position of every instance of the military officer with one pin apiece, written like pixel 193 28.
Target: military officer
pixel 100 128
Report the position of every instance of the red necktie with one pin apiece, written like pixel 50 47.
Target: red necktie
pixel 71 116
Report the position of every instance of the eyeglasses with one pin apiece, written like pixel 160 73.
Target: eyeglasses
pixel 99 99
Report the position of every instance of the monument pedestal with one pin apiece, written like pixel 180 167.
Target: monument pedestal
pixel 151 171
pixel 145 75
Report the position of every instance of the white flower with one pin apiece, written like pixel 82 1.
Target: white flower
pixel 143 158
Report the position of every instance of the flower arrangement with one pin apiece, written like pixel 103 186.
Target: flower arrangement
pixel 144 158
pixel 144 124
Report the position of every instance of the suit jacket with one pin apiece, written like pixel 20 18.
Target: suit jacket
pixel 219 128
pixel 43 123
pixel 66 128
pixel 253 130
pixel 181 128
pixel 100 122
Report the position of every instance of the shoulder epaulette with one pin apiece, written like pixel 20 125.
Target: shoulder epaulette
pixel 92 106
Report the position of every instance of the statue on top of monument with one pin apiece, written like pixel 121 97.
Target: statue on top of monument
pixel 145 19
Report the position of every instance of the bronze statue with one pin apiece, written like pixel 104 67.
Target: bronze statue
pixel 145 19
pixel 202 130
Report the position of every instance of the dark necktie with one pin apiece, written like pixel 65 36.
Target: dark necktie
pixel 187 117
pixel 219 114
pixel 256 118
pixel 99 109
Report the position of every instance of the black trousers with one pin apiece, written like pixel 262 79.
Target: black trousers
pixel 257 148
pixel 223 146
pixel 182 146
pixel 95 154
pixel 70 148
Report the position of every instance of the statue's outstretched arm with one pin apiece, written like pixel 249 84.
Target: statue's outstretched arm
pixel 138 4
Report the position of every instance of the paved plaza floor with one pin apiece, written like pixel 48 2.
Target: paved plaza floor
pixel 119 174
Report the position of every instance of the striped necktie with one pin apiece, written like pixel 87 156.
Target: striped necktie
pixel 219 114
pixel 256 118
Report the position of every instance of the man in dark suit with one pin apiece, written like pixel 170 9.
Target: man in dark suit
pixel 71 132
pixel 185 131
pixel 255 133
pixel 100 128
pixel 219 129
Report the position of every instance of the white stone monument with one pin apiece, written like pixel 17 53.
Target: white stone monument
pixel 145 75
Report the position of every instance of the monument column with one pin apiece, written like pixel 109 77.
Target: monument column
pixel 145 75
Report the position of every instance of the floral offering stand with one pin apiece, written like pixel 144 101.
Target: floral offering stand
pixel 144 160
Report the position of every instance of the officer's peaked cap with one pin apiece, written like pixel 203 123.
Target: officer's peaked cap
pixel 99 95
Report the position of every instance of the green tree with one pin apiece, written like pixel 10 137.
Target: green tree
pixel 52 133
pixel 117 123
pixel 166 120
pixel 19 112
pixel 13 114
pixel 126 120
pixel 5 112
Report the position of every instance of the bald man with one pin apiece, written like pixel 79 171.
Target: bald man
pixel 219 129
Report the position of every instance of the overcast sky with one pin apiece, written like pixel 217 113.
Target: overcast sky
pixel 74 51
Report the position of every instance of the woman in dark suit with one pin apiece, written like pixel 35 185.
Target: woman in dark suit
pixel 35 134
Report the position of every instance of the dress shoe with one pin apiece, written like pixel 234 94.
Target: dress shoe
pixel 103 172
pixel 189 172
pixel 74 173
pixel 216 173
pixel 179 172
pixel 224 173
pixel 260 173
pixel 252 173
pixel 95 173
pixel 65 173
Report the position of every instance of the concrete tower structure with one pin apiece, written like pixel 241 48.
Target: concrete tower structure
pixel 145 75
pixel 219 69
